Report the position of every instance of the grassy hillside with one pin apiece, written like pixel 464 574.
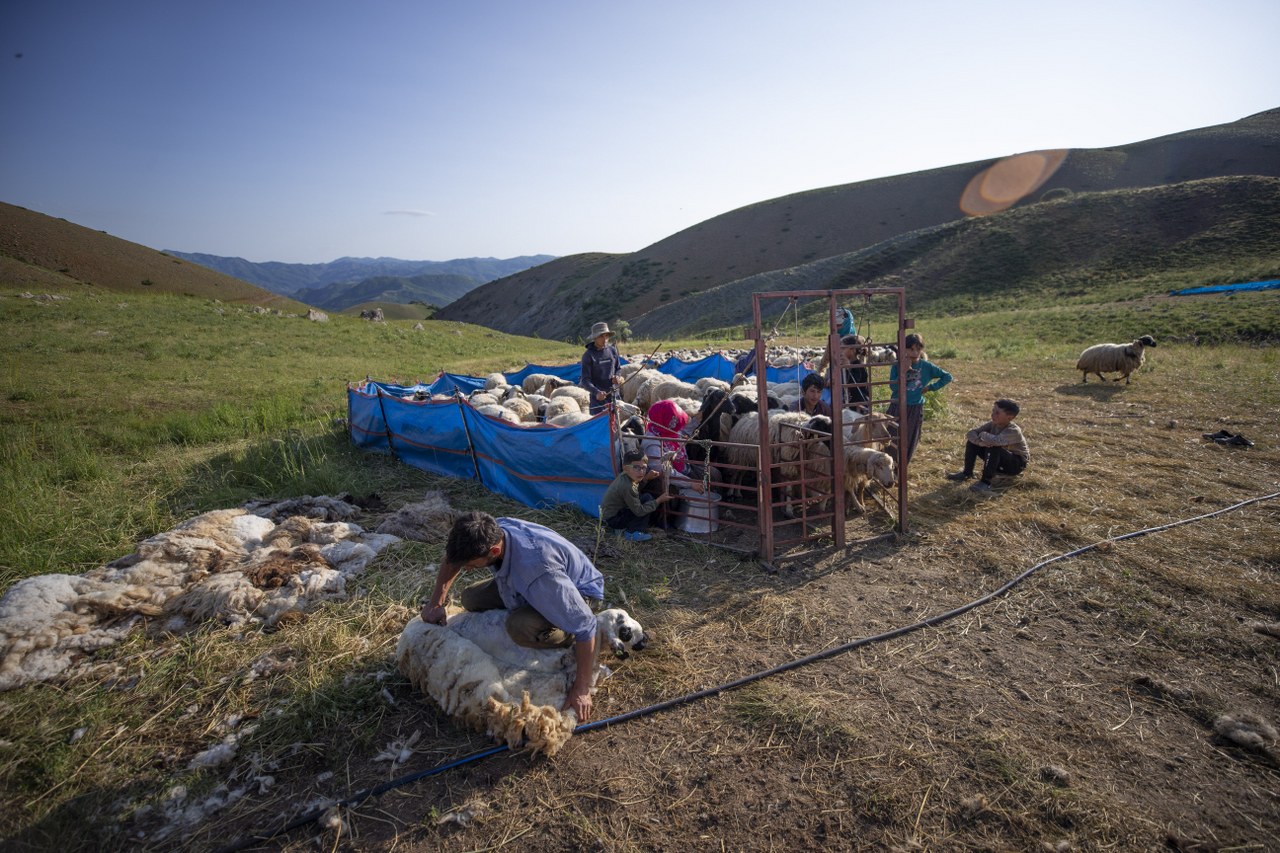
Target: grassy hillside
pixel 794 230
pixel 42 251
pixel 1072 710
pixel 1088 248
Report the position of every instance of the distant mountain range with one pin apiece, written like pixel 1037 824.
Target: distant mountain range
pixel 350 281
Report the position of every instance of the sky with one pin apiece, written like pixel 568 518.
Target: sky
pixel 303 131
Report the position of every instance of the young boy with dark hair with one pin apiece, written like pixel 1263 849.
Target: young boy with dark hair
pixel 625 509
pixel 999 443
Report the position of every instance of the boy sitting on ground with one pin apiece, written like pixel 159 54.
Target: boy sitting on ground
pixel 624 509
pixel 999 443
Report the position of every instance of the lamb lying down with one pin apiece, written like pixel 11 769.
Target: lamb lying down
pixel 475 673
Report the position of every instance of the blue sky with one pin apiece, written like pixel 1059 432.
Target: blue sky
pixel 278 130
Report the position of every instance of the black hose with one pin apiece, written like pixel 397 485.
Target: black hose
pixel 359 797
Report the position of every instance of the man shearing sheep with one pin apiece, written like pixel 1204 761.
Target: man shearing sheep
pixel 551 588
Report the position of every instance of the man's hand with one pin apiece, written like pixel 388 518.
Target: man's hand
pixel 579 700
pixel 433 614
pixel 664 497
pixel 600 395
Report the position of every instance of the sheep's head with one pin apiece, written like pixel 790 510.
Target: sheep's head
pixel 622 634
pixel 1147 341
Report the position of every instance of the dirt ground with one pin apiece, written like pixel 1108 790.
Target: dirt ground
pixel 1120 699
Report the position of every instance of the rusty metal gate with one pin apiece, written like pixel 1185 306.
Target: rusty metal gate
pixel 798 469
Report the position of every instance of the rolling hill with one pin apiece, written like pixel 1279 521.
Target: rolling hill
pixel 828 228
pixel 42 251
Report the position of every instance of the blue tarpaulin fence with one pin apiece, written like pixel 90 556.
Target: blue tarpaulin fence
pixel 536 465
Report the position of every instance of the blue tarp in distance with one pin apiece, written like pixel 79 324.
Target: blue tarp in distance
pixel 1270 284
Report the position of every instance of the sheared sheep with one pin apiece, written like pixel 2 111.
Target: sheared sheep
pixel 471 668
pixel 1113 358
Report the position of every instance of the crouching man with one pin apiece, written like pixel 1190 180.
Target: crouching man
pixel 548 584
pixel 999 443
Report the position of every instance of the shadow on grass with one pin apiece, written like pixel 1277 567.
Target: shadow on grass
pixel 1092 390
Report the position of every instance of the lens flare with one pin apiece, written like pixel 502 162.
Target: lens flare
pixel 1002 184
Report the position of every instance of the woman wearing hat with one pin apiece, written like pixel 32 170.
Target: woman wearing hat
pixel 600 365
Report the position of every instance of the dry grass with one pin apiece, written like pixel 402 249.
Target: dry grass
pixel 1077 709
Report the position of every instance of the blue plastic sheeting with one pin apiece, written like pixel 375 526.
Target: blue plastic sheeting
pixel 544 465
pixel 571 372
pixel 538 466
pixel 447 383
pixel 787 374
pixel 364 418
pixel 715 365
pixel 1271 284
pixel 430 435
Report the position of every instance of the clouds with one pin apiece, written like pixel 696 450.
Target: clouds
pixel 410 212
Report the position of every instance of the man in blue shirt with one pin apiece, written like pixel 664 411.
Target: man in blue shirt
pixel 548 584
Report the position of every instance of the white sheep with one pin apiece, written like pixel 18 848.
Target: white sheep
pixel 535 382
pixel 493 380
pixel 673 389
pixel 473 670
pixel 568 419
pixel 742 454
pixel 706 383
pixel 483 398
pixel 558 406
pixel 1113 358
pixel 581 395
pixel 502 413
pixel 631 386
pixel 539 404
pixel 522 408
pixel 862 466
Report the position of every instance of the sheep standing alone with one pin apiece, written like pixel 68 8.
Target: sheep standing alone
pixel 1113 358
pixel 863 466
pixel 471 668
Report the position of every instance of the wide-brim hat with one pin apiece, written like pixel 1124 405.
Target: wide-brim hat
pixel 597 330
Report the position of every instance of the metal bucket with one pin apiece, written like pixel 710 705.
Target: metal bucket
pixel 702 512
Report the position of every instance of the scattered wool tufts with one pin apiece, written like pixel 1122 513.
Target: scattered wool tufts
pixel 1245 729
pixel 429 520
pixel 216 756
pixel 400 750
pixel 202 570
pixel 323 507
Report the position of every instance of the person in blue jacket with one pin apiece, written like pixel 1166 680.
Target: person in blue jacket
pixel 600 366
pixel 921 375
pixel 550 586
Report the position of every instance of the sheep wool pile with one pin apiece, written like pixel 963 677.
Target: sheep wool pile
pixel 228 565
